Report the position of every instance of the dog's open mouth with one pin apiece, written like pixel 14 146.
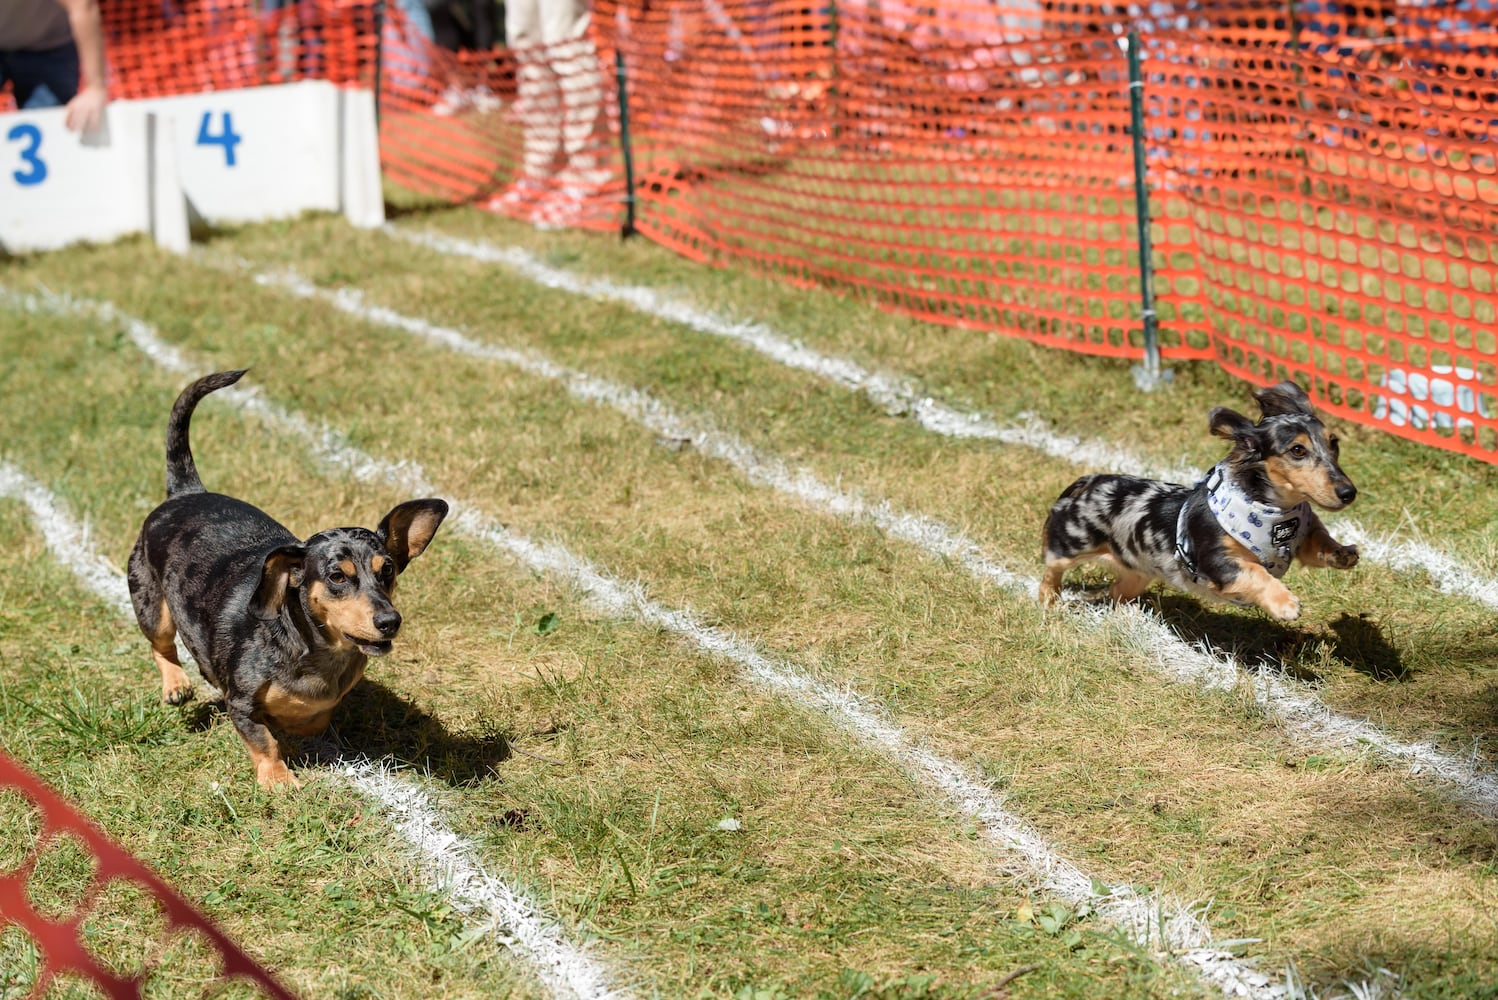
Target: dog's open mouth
pixel 370 647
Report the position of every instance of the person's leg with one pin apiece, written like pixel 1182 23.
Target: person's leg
pixel 540 95
pixel 43 79
pixel 565 28
pixel 446 31
pixel 483 25
pixel 538 106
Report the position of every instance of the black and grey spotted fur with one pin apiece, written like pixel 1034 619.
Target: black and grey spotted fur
pixel 1132 523
pixel 282 627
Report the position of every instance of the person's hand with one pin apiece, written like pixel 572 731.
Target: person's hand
pixel 86 109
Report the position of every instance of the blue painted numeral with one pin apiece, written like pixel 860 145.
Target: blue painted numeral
pixel 37 171
pixel 227 138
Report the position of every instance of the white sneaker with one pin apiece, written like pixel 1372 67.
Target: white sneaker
pixel 452 101
pixel 518 199
pixel 561 209
pixel 484 100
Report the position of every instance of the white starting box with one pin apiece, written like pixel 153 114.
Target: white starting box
pixel 157 165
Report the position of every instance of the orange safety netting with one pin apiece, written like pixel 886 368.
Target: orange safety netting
pixel 152 935
pixel 1341 211
pixel 1321 173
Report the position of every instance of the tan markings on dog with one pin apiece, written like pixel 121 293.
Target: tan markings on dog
pixel 1323 551
pixel 296 713
pixel 344 616
pixel 1128 585
pixel 166 631
pixel 348 568
pixel 1257 585
pixel 1050 581
pixel 175 687
pixel 419 534
pixel 376 564
pixel 270 770
pixel 1297 482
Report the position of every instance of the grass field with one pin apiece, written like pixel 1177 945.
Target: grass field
pixel 699 821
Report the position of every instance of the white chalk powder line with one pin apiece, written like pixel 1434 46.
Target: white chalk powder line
pixel 898 396
pixel 1155 922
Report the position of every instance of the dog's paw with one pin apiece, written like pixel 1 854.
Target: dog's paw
pixel 177 695
pixel 276 776
pixel 1286 610
pixel 1345 557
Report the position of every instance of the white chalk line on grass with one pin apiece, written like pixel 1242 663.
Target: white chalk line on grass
pixel 564 966
pixel 68 541
pixel 447 860
pixel 898 396
pixel 1306 716
pixel 1165 926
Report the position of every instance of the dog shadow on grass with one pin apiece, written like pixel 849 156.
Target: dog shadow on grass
pixel 374 722
pixel 1255 639
pixel 1357 641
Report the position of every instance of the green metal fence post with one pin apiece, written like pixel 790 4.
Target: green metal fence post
pixel 834 78
pixel 379 62
pixel 628 229
pixel 1150 375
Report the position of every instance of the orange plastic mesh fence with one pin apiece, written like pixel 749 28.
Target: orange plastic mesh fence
pixel 926 165
pixel 1321 172
pixel 1341 213
pixel 174 47
pixel 76 909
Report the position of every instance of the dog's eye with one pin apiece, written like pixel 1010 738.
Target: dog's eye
pixel 336 577
pixel 1298 451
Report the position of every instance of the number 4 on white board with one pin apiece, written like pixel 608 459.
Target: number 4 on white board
pixel 226 138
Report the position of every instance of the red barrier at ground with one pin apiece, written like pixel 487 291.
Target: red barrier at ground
pixel 35 823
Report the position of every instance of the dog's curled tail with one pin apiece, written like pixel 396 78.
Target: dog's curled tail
pixel 181 471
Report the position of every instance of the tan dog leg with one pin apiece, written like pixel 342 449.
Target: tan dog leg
pixel 175 687
pixel 1257 585
pixel 1128 585
pixel 270 770
pixel 1055 569
pixel 1050 581
pixel 1322 551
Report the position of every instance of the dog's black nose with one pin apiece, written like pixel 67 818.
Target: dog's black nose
pixel 388 622
pixel 1347 493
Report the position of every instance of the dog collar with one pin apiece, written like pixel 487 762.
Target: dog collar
pixel 1272 534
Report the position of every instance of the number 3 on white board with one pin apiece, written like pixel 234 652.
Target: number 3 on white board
pixel 35 170
pixel 226 138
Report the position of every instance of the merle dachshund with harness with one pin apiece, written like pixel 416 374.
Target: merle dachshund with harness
pixel 1231 536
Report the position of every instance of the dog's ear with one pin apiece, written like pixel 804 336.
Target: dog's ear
pixel 1287 397
pixel 1234 426
pixel 408 529
pixel 282 570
